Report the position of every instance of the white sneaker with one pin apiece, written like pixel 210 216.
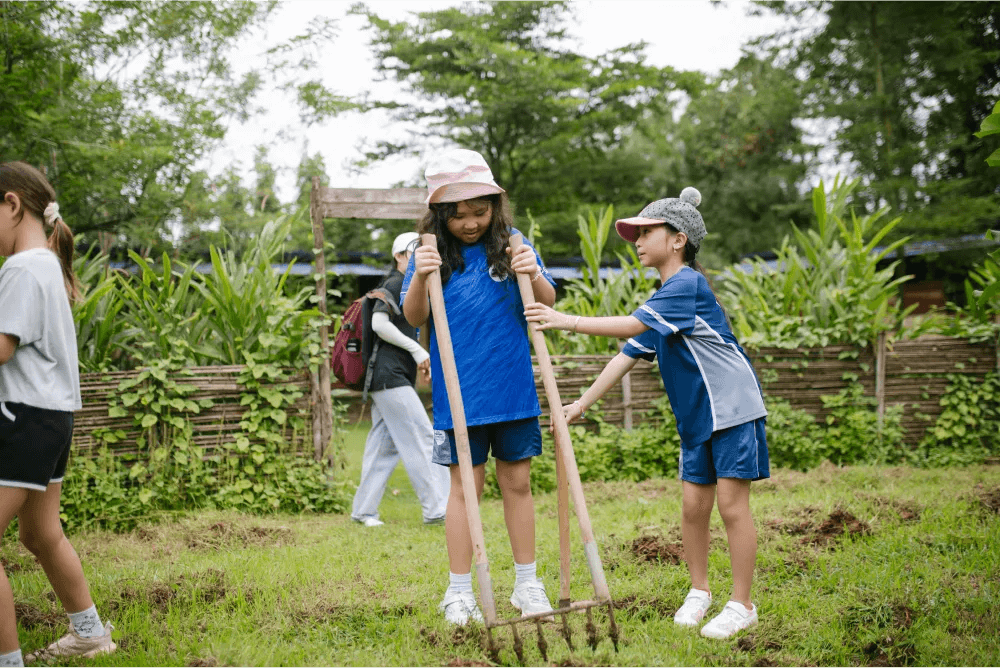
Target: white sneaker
pixel 460 607
pixel 370 521
pixel 72 644
pixel 733 619
pixel 530 598
pixel 696 604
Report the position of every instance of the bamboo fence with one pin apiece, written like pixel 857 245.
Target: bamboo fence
pixel 912 374
pixel 211 427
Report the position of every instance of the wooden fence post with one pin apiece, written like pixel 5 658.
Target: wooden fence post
pixel 323 406
pixel 996 344
pixel 880 375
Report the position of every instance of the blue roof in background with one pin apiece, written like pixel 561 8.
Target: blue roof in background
pixel 562 273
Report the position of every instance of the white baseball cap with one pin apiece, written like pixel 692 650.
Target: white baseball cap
pixel 402 243
pixel 458 175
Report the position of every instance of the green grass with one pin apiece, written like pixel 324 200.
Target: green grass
pixel 915 580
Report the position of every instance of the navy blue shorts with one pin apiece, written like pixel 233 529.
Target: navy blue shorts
pixel 735 452
pixel 34 445
pixel 509 441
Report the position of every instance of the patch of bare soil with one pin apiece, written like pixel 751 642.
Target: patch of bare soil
pixel 226 534
pixel 457 661
pixel 645 609
pixel 908 511
pixel 895 648
pixel 794 523
pixel 209 661
pixel 207 586
pixel 989 499
pixel 32 617
pixel 657 549
pixel 17 563
pixel 840 522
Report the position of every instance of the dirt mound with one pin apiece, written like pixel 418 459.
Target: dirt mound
pixel 989 498
pixel 840 522
pixel 31 617
pixel 657 549
pixel 207 586
pixel 467 662
pixel 226 534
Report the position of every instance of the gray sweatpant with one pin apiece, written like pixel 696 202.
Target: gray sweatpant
pixel 400 430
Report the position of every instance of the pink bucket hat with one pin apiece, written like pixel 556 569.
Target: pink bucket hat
pixel 458 175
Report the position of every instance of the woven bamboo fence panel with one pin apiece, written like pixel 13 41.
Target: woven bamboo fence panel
pixel 916 376
pixel 211 428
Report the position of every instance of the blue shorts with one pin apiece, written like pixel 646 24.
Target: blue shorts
pixel 735 452
pixel 510 442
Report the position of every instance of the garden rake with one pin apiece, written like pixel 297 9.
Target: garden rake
pixel 568 483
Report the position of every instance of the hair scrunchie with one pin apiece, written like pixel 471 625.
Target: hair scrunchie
pixel 51 214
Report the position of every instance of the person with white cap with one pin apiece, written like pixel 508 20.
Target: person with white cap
pixel 471 218
pixel 400 429
pixel 713 391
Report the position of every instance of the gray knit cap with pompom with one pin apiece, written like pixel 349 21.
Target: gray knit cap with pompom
pixel 679 212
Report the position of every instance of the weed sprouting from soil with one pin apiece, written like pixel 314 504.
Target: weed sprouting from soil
pixel 657 549
pixel 884 637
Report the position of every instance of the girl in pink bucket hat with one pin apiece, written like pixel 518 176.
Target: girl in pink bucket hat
pixel 471 218
pixel 713 392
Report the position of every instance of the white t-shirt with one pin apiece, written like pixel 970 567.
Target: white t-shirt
pixel 44 369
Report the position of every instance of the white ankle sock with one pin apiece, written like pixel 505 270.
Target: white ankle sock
pixel 460 582
pixel 524 573
pixel 87 623
pixel 12 659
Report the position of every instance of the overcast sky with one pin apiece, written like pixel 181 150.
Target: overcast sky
pixel 684 34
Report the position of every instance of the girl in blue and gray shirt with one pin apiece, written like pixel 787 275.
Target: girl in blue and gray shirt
pixel 713 392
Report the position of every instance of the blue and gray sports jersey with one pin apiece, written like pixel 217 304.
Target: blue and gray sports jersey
pixel 707 375
pixel 490 338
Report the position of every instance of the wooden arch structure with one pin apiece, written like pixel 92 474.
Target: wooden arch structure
pixel 378 203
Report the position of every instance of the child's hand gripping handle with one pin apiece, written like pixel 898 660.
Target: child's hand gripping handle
pixel 450 371
pixel 564 453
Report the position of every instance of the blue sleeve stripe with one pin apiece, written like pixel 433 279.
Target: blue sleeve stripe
pixel 658 318
pixel 641 348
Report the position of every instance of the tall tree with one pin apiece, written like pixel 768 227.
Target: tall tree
pixel 906 84
pixel 119 101
pixel 496 77
pixel 738 142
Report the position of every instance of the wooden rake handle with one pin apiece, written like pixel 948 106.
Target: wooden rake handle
pixel 564 449
pixel 450 370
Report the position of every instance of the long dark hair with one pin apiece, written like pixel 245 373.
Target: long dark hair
pixel 36 193
pixel 496 238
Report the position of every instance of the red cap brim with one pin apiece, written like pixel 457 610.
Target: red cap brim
pixel 628 228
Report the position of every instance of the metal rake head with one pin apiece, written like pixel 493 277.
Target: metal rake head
pixel 565 607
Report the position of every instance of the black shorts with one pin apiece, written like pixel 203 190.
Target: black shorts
pixel 34 445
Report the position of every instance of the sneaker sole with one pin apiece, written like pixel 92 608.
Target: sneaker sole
pixel 107 649
pixel 727 637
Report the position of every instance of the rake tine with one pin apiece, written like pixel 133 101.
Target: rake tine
pixel 566 633
pixel 542 645
pixel 491 646
pixel 613 631
pixel 591 630
pixel 518 646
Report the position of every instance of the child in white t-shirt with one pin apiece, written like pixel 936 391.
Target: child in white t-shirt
pixel 39 390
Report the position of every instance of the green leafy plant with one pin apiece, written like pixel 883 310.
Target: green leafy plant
pixel 827 287
pixel 619 293
pixel 968 429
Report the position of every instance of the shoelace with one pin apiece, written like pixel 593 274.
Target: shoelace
pixel 536 595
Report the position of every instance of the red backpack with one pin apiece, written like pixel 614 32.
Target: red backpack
pixel 352 356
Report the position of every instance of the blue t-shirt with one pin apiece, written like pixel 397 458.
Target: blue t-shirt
pixel 707 375
pixel 489 336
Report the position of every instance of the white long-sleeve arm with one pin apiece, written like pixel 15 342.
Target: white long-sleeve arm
pixel 389 333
